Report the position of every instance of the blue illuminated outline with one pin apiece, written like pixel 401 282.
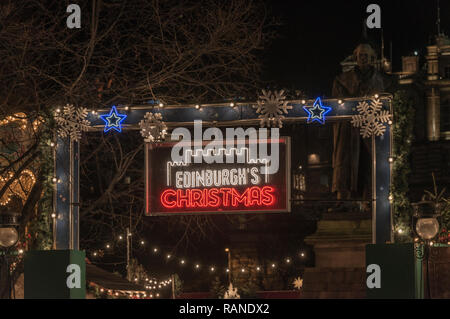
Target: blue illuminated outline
pixel 113 120
pixel 317 112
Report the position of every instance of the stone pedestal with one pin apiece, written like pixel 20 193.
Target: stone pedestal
pixel 334 283
pixel 339 248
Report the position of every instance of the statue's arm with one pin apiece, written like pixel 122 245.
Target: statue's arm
pixel 339 90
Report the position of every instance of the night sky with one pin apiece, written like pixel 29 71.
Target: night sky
pixel 317 35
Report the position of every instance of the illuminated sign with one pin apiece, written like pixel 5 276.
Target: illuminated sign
pixel 216 179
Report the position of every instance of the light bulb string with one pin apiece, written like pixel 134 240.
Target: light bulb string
pixel 263 266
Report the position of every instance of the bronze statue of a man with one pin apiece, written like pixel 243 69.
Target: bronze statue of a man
pixel 363 80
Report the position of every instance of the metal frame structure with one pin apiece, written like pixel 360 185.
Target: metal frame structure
pixel 67 154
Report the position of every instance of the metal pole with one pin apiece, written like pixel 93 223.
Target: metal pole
pixel 173 286
pixel 128 253
pixel 374 193
pixel 438 22
pixel 427 275
pixel 8 276
pixel 229 264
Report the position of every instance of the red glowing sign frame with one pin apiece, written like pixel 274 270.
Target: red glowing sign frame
pixel 163 200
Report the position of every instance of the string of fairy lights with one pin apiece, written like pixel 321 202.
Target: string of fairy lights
pixel 116 293
pixel 198 266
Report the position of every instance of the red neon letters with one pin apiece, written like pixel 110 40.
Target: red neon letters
pixel 254 196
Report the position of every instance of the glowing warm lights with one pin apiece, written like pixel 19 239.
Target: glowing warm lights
pixel 211 269
pixel 22 121
pixel 20 186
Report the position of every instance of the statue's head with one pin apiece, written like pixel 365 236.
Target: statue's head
pixel 365 56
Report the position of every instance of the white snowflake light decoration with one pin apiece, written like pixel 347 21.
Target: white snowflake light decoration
pixel 271 108
pixel 71 122
pixel 153 129
pixel 371 118
pixel 298 283
pixel 231 293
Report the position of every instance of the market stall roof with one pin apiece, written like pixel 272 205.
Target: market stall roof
pixel 109 280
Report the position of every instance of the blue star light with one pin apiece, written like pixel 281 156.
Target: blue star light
pixel 113 120
pixel 317 112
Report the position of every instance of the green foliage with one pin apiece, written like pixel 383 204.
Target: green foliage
pixel 218 289
pixel 404 104
pixel 443 204
pixel 403 124
pixel 41 225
